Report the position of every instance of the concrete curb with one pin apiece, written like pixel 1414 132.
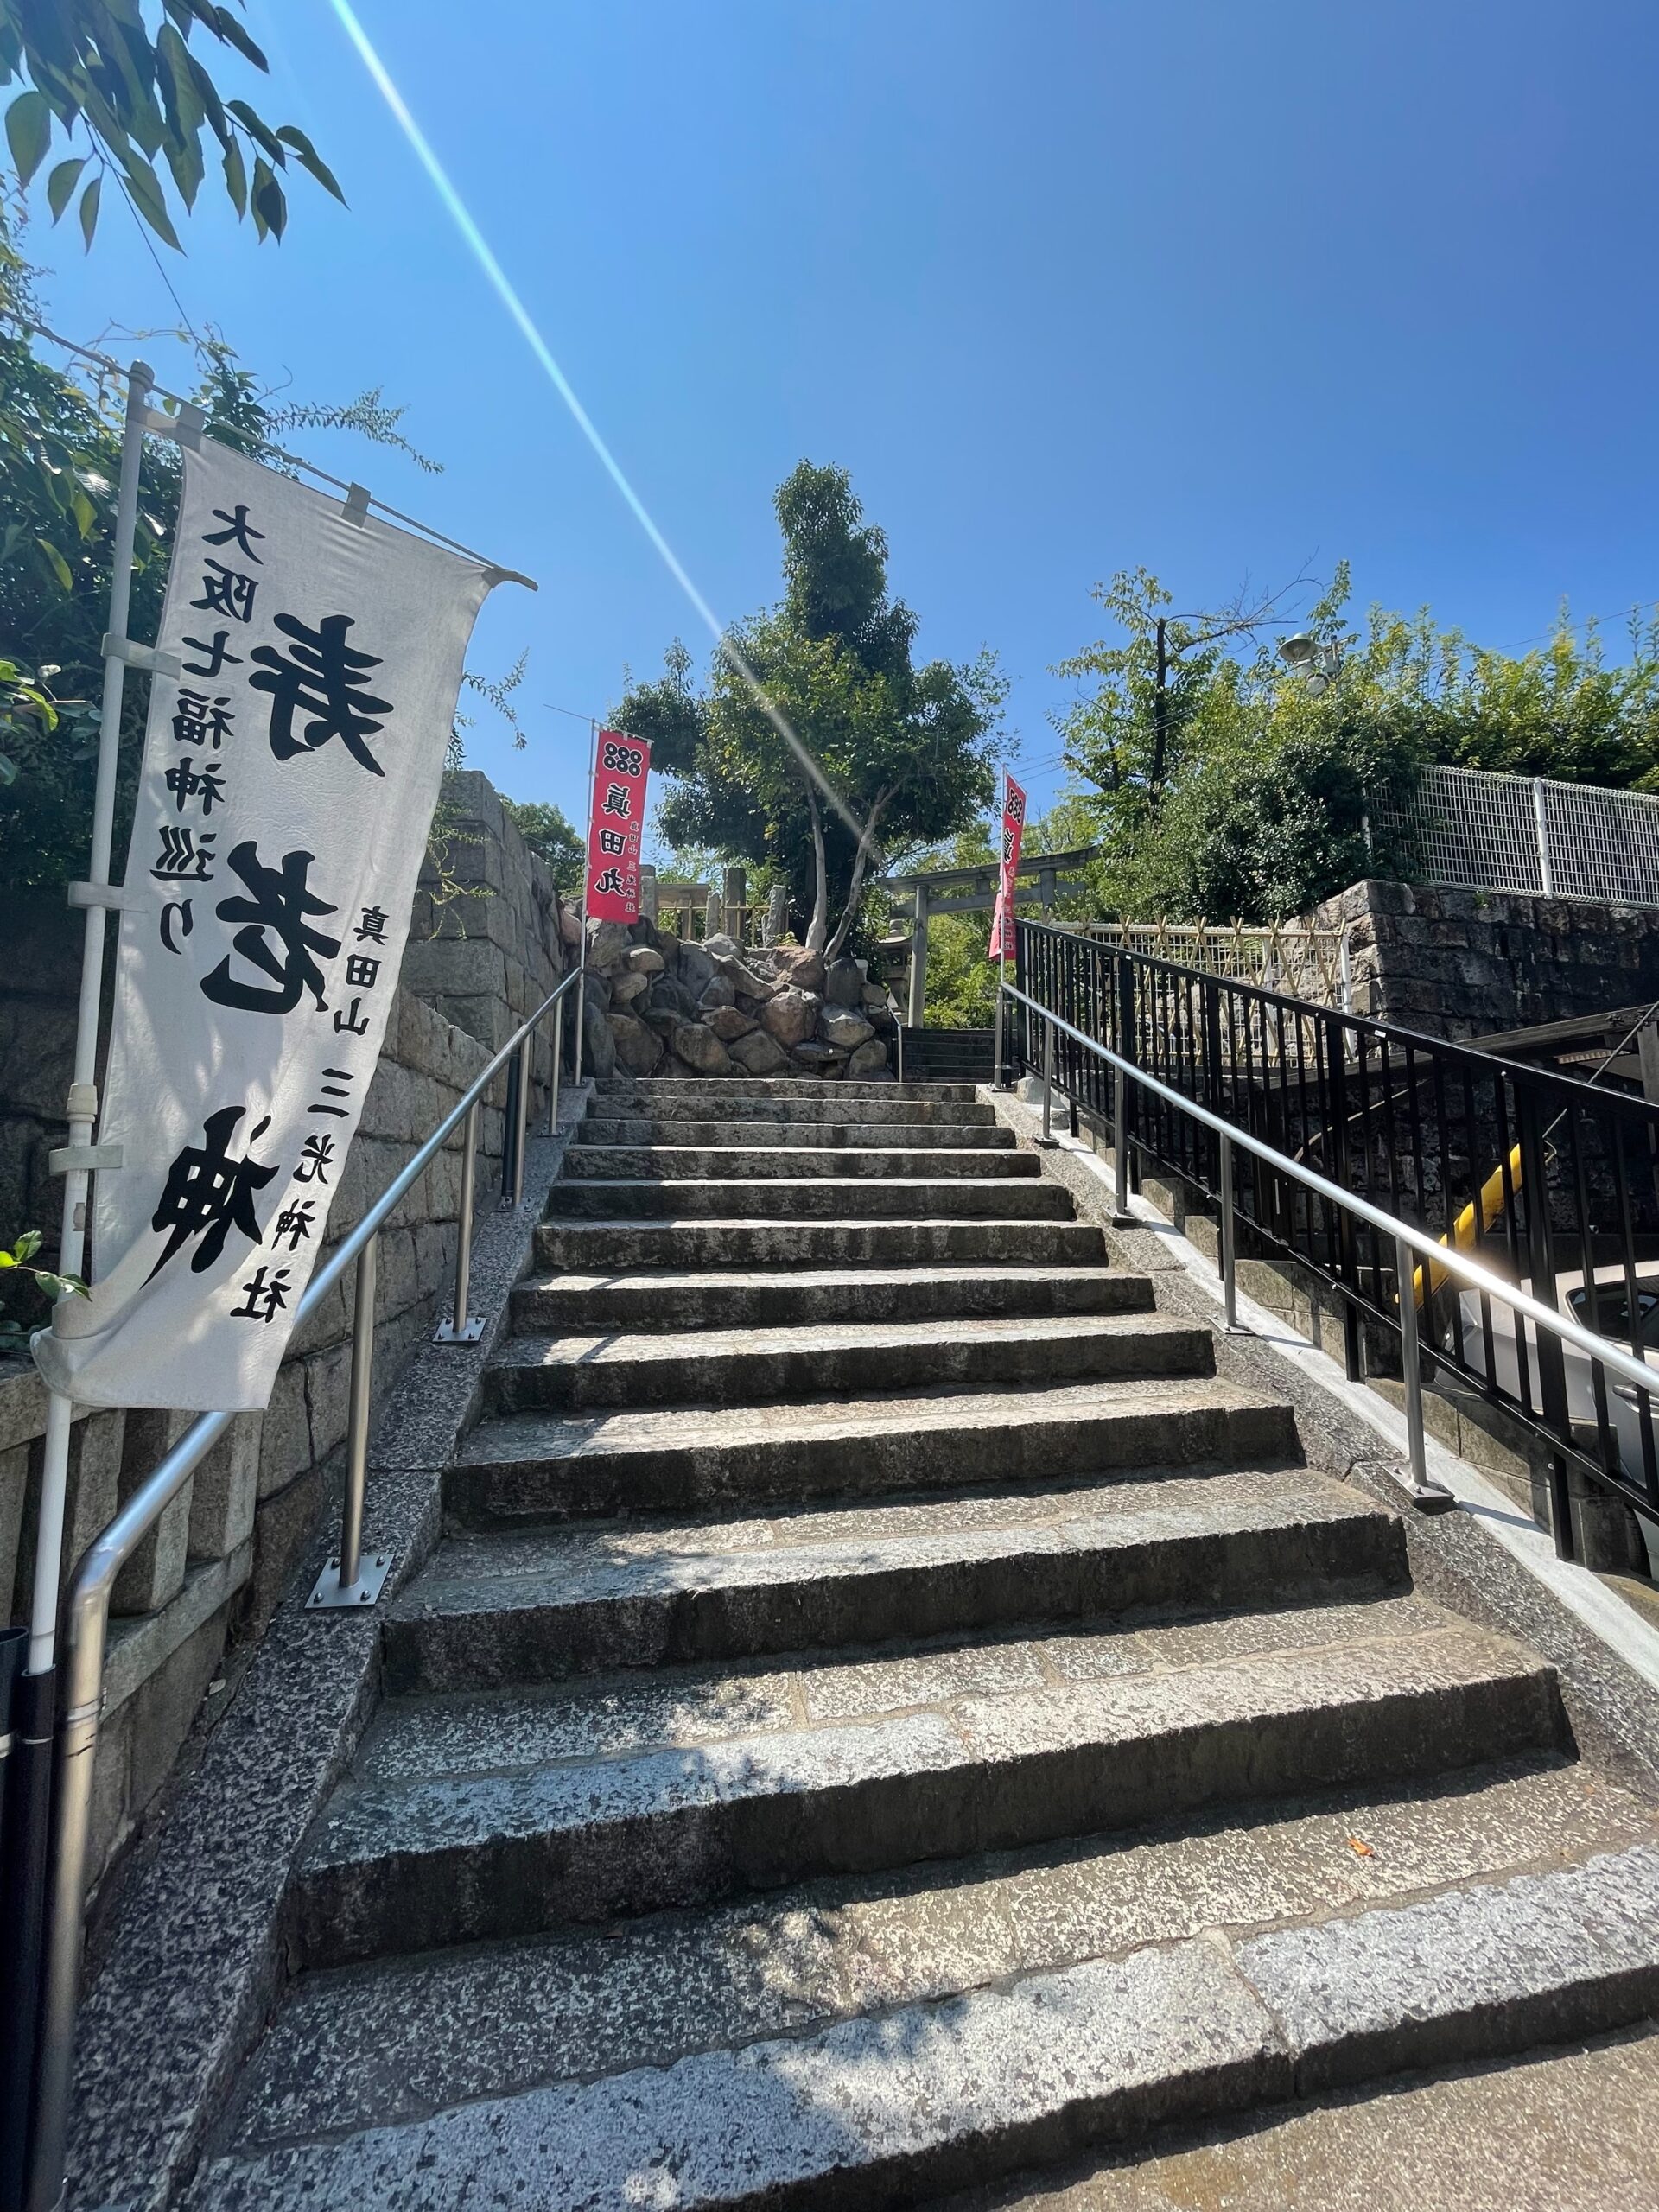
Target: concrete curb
pixel 196 1955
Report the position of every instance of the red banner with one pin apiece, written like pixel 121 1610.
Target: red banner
pixel 613 829
pixel 1013 829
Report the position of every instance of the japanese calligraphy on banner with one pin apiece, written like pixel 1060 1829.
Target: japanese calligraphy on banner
pixel 620 769
pixel 1013 828
pixel 289 775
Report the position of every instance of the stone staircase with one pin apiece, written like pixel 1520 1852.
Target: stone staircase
pixel 885 1715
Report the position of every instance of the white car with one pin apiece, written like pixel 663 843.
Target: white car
pixel 1602 1304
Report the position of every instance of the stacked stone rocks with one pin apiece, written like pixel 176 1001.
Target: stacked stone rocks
pixel 657 1007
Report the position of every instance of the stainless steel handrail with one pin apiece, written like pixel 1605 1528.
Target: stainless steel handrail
pixel 1407 1238
pixel 94 1582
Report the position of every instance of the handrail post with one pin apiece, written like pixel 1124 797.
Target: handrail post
pixel 1229 1240
pixel 996 1071
pixel 464 1326
pixel 521 1117
pixel 1405 1268
pixel 558 1054
pixel 1048 1082
pixel 351 1579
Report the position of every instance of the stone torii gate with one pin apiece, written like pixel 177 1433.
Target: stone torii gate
pixel 968 891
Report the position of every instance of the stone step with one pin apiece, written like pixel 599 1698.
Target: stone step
pixel 740 1162
pixel 367 2044
pixel 1588 2115
pixel 740 1366
pixel 939 2093
pixel 594 1246
pixel 796 1198
pixel 693 1459
pixel 527 1607
pixel 663 1297
pixel 880 1136
pixel 786 1107
pixel 471 1817
pixel 730 1088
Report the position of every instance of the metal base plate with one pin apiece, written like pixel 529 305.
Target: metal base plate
pixel 468 1333
pixel 372 1572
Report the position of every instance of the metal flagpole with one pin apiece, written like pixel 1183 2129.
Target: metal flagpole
pixel 581 918
pixel 29 1793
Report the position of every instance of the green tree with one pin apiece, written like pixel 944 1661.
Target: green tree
pixel 126 98
pixel 904 754
pixel 550 836
pixel 1258 806
pixel 59 462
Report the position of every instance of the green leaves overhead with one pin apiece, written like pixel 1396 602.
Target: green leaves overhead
pixel 138 100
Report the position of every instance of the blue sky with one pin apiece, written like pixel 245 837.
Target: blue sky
pixel 1068 285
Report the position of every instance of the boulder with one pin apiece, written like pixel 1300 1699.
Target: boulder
pixel 569 924
pixel 597 988
pixel 726 1023
pixel 663 1020
pixel 791 1016
pixel 637 1049
pixel 795 964
pixel 715 993
pixel 699 1049
pixel 599 1046
pixel 746 982
pixel 843 982
pixel 646 960
pixel 672 1064
pixel 609 945
pixel 759 1054
pixel 875 994
pixel 722 947
pixel 839 1025
pixel 695 968
pixel 868 1057
pixel 881 1019
pixel 667 991
pixel 630 984
pixel 813 1058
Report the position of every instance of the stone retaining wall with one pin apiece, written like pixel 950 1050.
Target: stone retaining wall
pixel 1472 963
pixel 656 1006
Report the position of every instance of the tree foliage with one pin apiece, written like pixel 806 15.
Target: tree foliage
pixel 1251 802
pixel 128 94
pixel 60 462
pixel 548 832
pixel 907 751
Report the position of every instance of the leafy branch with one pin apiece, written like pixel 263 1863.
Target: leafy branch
pixel 140 99
pixel 14 1337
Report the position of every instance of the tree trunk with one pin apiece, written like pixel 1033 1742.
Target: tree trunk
pixel 819 928
pixel 860 859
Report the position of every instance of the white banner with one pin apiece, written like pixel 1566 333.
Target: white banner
pixel 288 779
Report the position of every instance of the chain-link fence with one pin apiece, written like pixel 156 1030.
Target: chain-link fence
pixel 1469 831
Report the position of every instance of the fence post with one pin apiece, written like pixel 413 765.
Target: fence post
pixel 1540 821
pixel 1229 1240
pixel 1541 1264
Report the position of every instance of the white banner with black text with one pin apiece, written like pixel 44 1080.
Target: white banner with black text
pixel 290 776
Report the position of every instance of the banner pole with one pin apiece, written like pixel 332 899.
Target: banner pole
pixel 82 1094
pixel 581 933
pixel 26 1850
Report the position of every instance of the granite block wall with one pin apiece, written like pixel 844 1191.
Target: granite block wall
pixel 1470 964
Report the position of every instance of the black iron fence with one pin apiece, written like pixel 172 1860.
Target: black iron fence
pixel 1549 1183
